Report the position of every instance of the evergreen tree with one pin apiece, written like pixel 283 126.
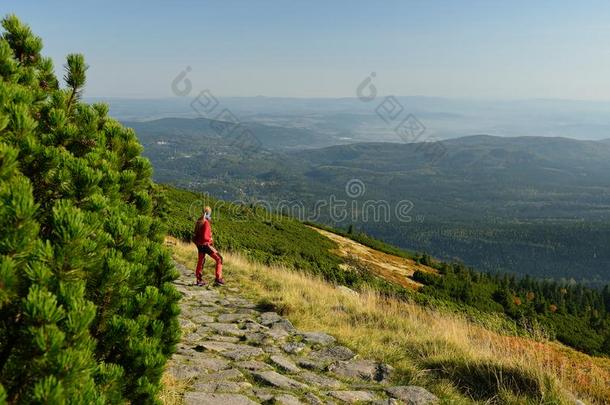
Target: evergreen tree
pixel 88 313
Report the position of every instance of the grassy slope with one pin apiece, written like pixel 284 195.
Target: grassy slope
pixel 455 358
pixel 275 240
pixel 267 238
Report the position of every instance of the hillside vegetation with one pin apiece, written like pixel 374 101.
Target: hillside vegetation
pixel 457 359
pixel 573 314
pixel 396 269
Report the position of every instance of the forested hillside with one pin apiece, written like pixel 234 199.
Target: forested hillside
pixel 537 206
pixel 574 314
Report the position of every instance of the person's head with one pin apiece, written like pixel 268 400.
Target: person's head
pixel 207 212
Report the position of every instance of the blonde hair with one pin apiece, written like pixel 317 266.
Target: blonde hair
pixel 207 208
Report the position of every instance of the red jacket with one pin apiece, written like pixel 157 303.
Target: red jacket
pixel 203 232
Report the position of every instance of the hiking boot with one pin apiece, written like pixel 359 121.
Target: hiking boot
pixel 200 283
pixel 219 281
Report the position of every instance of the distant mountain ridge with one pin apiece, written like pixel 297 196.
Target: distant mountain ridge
pixel 444 118
pixel 196 130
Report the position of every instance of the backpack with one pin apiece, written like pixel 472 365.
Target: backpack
pixel 197 233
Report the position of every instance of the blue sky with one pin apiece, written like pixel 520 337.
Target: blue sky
pixel 471 49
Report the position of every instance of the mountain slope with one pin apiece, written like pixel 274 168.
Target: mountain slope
pixel 267 357
pixel 457 359
pixel 573 314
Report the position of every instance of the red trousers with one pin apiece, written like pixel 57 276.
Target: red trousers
pixel 203 250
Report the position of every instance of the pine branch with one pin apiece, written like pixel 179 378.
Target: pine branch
pixel 75 76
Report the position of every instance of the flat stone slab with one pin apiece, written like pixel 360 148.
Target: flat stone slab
pixel 312 399
pixel 208 308
pixel 322 359
pixel 186 371
pixel 313 364
pixel 286 399
pixel 211 363
pixel 319 338
pixel 203 330
pixel 333 353
pixel 193 337
pixel 267 318
pixel 243 352
pixel 206 398
pixel 278 380
pixel 253 365
pixel 233 318
pixel 368 370
pixel 230 329
pixel 277 333
pixel 222 386
pixel 204 295
pixel 194 309
pixel 184 351
pixel 263 394
pixel 293 347
pixel 252 326
pixel 412 395
pixel 202 318
pixel 217 346
pixel 237 302
pixel 223 338
pixel 353 396
pixel 284 363
pixel 319 380
pixel 222 376
pixel 258 338
pixel 285 325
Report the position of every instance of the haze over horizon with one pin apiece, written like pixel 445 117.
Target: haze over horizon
pixel 545 50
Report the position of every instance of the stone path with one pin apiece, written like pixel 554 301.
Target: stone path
pixel 231 353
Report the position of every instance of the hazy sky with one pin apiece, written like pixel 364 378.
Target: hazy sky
pixel 489 49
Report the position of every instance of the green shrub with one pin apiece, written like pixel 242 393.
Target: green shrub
pixel 87 310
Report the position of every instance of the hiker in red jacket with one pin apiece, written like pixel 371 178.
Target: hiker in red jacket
pixel 203 240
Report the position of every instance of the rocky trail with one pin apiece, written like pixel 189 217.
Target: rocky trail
pixel 234 353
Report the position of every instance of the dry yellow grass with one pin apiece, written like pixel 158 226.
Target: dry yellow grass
pixel 172 390
pixel 392 268
pixel 455 358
